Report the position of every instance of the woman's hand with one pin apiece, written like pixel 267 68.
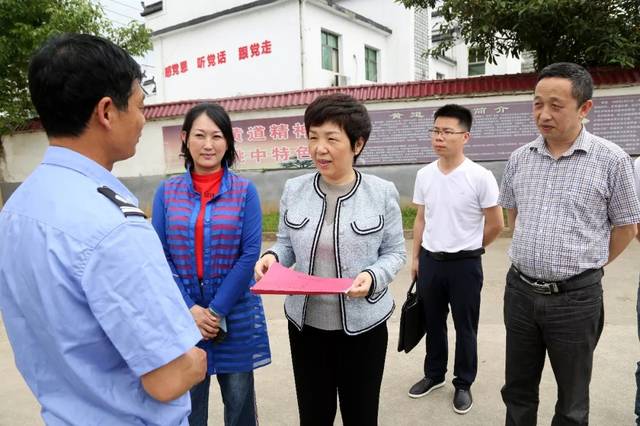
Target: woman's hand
pixel 361 285
pixel 262 265
pixel 207 323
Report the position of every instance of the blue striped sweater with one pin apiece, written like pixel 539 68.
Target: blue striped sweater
pixel 231 246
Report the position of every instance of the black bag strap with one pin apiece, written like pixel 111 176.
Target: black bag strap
pixel 411 287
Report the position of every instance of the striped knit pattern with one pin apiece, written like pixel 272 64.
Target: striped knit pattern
pixel 246 346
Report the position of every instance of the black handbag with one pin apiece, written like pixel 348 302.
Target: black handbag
pixel 411 321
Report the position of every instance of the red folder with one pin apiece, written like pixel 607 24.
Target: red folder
pixel 281 280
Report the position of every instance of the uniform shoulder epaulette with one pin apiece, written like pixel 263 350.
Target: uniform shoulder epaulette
pixel 125 206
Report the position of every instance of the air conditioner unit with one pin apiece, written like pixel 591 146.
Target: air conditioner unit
pixel 340 80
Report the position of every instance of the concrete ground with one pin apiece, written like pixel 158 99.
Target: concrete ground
pixel 612 387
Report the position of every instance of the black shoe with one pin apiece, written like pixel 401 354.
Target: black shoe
pixel 424 387
pixel 462 401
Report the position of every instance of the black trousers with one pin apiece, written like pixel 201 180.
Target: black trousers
pixel 567 327
pixel 330 364
pixel 457 283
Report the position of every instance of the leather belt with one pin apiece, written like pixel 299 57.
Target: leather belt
pixel 581 280
pixel 462 254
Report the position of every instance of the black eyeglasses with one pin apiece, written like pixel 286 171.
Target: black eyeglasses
pixel 444 132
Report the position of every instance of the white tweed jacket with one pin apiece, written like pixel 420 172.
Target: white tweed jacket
pixel 367 234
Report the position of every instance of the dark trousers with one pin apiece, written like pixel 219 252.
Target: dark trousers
pixel 457 283
pixel 327 364
pixel 637 408
pixel 567 326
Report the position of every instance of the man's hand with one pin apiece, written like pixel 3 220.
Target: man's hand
pixel 361 285
pixel 199 359
pixel 415 264
pixel 207 323
pixel 262 265
pixel 418 229
pixel 620 238
pixel 176 378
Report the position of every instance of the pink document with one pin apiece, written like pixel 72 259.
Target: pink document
pixel 281 280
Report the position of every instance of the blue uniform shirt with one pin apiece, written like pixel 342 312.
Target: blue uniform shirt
pixel 87 298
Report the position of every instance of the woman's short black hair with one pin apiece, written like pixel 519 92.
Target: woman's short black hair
pixel 219 116
pixel 343 110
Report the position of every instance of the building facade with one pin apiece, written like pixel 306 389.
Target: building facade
pixel 398 146
pixel 231 48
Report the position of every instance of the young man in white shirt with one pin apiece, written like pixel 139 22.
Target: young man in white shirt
pixel 458 216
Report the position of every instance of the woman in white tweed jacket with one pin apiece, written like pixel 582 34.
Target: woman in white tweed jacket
pixel 339 222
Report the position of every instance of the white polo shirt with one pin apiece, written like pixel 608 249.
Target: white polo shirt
pixel 454 219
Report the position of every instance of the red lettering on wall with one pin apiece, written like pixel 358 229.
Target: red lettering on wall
pixel 302 153
pixel 280 153
pixel 243 52
pixel 266 47
pixel 256 133
pixel 238 134
pixel 279 132
pixel 255 49
pixel 299 131
pixel 258 155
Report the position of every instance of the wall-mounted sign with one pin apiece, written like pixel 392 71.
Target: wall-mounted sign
pixel 218 58
pixel 399 136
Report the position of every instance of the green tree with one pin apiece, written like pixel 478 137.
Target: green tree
pixel 296 163
pixel 26 24
pixel 588 32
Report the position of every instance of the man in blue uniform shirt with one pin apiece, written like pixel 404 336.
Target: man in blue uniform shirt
pixel 97 325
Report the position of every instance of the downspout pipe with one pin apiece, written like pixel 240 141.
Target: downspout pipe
pixel 301 4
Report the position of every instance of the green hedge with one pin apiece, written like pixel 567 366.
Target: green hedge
pixel 270 220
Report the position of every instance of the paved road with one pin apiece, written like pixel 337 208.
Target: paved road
pixel 612 389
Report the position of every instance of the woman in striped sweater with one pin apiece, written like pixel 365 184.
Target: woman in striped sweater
pixel 210 225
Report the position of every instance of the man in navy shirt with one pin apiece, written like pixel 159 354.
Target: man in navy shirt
pixel 98 327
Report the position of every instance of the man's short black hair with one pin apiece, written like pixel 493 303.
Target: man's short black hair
pixel 456 111
pixel 70 73
pixel 343 110
pixel 219 116
pixel 581 81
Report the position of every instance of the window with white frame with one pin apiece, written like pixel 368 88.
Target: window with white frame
pixel 476 61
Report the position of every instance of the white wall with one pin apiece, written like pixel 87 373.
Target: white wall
pixel 398 56
pixel 24 151
pixel 275 72
pixel 149 159
pixel 505 65
pixel 353 38
pixel 281 70
pixel 460 53
pixel 178 11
